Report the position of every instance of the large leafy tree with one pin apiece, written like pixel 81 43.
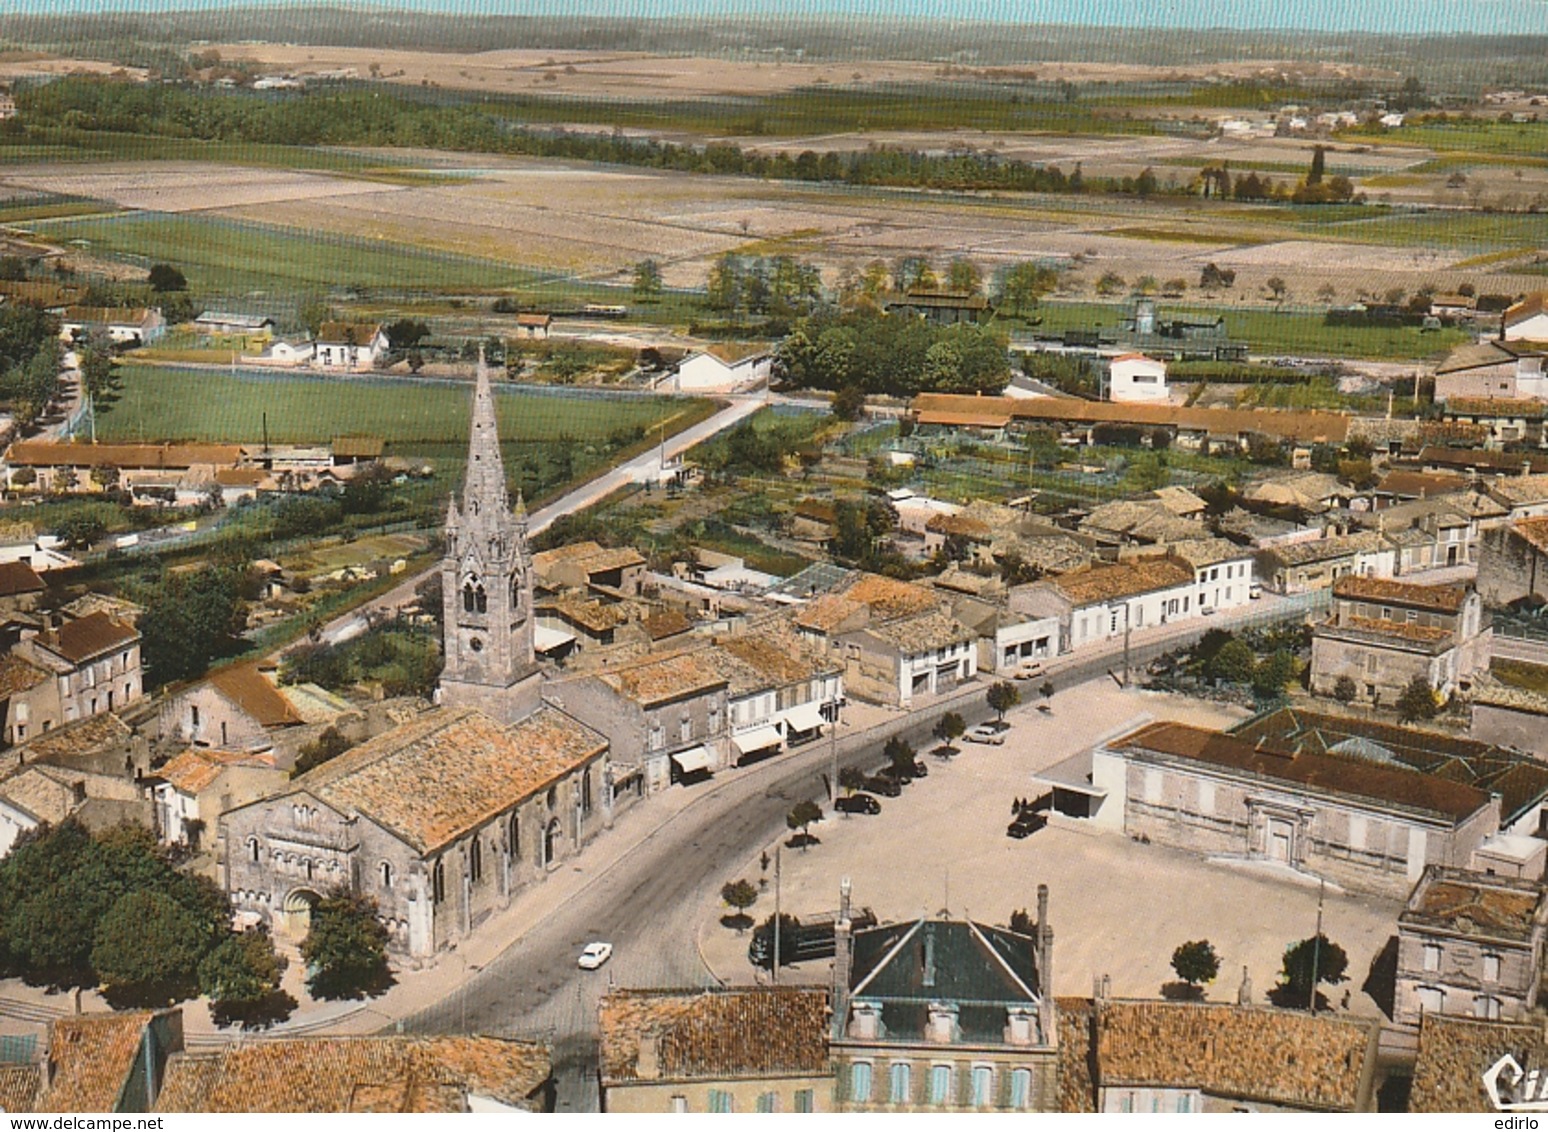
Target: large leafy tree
pixel 1418 701
pixel 241 978
pixel 1302 958
pixel 148 943
pixel 190 619
pixel 346 949
pixel 801 816
pixel 1002 696
pixel 1196 962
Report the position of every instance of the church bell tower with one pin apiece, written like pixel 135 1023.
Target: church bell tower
pixel 486 583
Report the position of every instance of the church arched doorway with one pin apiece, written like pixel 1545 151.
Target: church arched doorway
pixel 550 841
pixel 295 918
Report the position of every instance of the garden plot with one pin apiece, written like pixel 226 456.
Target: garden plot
pixel 186 186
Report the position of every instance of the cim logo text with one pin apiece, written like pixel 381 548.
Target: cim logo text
pixel 1514 1089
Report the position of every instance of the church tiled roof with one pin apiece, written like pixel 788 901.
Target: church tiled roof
pixel 436 777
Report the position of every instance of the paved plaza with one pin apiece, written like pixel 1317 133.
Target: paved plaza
pixel 1118 907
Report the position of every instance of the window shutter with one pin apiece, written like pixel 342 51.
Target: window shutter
pixel 1002 1092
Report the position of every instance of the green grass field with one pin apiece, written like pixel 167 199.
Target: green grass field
pixel 233 257
pixel 159 403
pixel 1524 139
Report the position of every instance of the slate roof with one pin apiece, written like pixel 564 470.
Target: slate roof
pixel 86 638
pixel 1123 579
pixel 248 688
pixel 91 1056
pixel 1520 780
pixel 1440 599
pixel 980 968
pixel 1253 1053
pixel 436 777
pixel 357 1074
pixel 716 1034
pixel 1455 1052
pixel 661 679
pixel 1319 771
pixel 1476 905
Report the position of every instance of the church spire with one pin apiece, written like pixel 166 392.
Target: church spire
pixel 483 485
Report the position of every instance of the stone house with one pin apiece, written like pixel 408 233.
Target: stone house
pixel 38 793
pixel 199 785
pixel 616 572
pixel 665 718
pixel 779 693
pixel 1191 1057
pixel 1526 320
pixel 1134 377
pixel 1524 497
pixel 1507 716
pixel 237 708
pixel 945 1016
pixel 1139 521
pixel 1381 634
pixel 719 1050
pixel 1505 421
pixel 1470 944
pixel 440 819
pixel 1361 805
pixel 1302 567
pixel 125 326
pixel 533 325
pixel 87 666
pixel 1513 563
pixel 1496 369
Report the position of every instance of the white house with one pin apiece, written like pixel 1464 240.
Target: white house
pixel 1528 319
pixel 124 325
pixel 283 353
pixel 350 345
pixel 534 325
pixel 1134 377
pixel 723 367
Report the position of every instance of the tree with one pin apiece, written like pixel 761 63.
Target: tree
pixel 1233 663
pixel 13 269
pixel 900 755
pixel 148 945
pixel 1110 283
pixel 1002 696
pixel 241 978
pixel 1023 286
pixel 80 531
pixel 802 815
pixel 190 618
pixel 1022 923
pixel 1213 276
pixel 949 728
pixel 851 778
pixel 165 277
pixel 963 275
pixel 740 895
pixel 1270 677
pixel 406 333
pixel 1417 701
pixel 1319 953
pixel 1319 160
pixel 1345 690
pixel 330 744
pixel 99 369
pixel 1277 288
pixel 849 403
pixel 1196 963
pixel 1326 293
pixel 346 949
pixel 647 281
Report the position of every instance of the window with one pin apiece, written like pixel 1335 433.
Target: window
pixel 1021 1088
pixel 386 874
pixel 585 792
pixel 1491 968
pixel 721 1101
pixel 679 1103
pixel 686 728
pixel 513 837
pixel 656 735
pixel 803 1100
pixel 983 1086
pixel 768 1102
pixel 194 716
pixel 1432 957
pixel 1432 1000
pixel 1486 1006
pixel 860 1082
pixel 438 882
pixel 899 1093
pixel 940 1084
pixel 476 860
pixel 1185 1102
pixel 252 849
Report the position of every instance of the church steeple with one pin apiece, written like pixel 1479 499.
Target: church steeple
pixel 486 580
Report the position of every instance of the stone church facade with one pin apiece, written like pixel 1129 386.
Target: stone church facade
pixel 441 819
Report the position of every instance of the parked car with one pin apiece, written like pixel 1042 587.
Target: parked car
pixel 985 733
pixel 594 955
pixel 858 804
pixel 1254 591
pixel 896 774
pixel 1026 825
pixel 920 770
pixel 1028 670
pixel 886 787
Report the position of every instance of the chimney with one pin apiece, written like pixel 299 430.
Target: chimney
pixel 647 1063
pixel 843 959
pixel 1044 945
pixel 927 978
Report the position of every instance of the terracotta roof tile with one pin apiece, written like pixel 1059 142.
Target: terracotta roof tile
pixel 79 739
pixel 660 679
pixel 18 578
pixel 86 638
pixel 19 1087
pixel 888 597
pixel 248 688
pixel 590 613
pixel 767 659
pixel 358 447
pixel 1534 304
pixel 717 1034
pixel 1442 599
pixel 1290 425
pixel 1535 531
pixel 935 629
pixel 115 315
pixel 356 1074
pixel 436 777
pixel 1505 908
pixel 44 796
pixel 1455 1052
pixel 343 333
pixel 48 454
pixel 1253 1053
pixel 193 770
pixel 17 674
pixel 1077 1090
pixel 1525 407
pixel 1123 579
pixel 91 1056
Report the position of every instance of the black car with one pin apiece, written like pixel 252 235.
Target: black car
pixel 886 787
pixel 1026 825
pixel 920 770
pixel 858 804
pixel 896 774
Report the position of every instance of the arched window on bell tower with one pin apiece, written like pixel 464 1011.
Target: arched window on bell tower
pixel 467 597
pixel 480 599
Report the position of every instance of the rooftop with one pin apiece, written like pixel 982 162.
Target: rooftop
pixel 18 674
pixel 1526 407
pixel 192 771
pixel 52 454
pixel 1420 485
pixel 1534 531
pixel 766 658
pixel 79 739
pixel 122 316
pixel 18 578
pixel 1455 1052
pixel 1472 904
pixel 1519 490
pixel 662 679
pixel 399 1074
pixel 1252 1053
pixel 923 632
pixel 432 779
pixel 1440 599
pixel 86 638
pixel 248 688
pixel 733 1032
pixel 1323 549
pixel 91 1056
pixel 1122 579
pixel 348 333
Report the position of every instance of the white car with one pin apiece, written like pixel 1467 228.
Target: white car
pixel 986 733
pixel 594 956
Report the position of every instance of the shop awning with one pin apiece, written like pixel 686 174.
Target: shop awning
pixel 695 758
pixel 804 717
pixel 757 739
pixel 545 639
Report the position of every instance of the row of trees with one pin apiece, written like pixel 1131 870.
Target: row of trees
pixel 29 360
pixel 1306 964
pixel 900 357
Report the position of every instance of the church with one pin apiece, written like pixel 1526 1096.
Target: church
pixel 444 817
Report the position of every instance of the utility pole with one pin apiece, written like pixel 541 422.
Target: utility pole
pixel 1322 886
pixel 775 972
pixel 833 783
pixel 1126 626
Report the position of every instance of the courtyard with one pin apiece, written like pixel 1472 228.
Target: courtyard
pixel 1118 906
